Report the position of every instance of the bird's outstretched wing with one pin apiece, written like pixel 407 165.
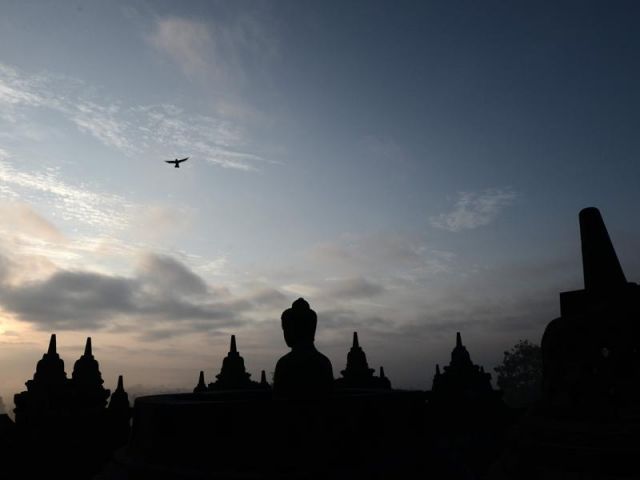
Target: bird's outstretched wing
pixel 170 161
pixel 182 160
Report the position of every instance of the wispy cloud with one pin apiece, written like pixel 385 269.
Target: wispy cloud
pixel 131 129
pixel 22 219
pixel 354 288
pixel 475 209
pixel 224 52
pixel 187 42
pixel 71 202
pixel 49 222
pixel 409 256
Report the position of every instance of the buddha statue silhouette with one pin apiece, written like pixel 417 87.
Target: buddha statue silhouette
pixel 304 371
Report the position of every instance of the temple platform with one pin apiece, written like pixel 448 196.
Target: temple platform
pixel 545 448
pixel 253 434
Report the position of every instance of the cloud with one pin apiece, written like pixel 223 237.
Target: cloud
pixel 168 276
pixel 334 290
pixel 134 130
pixel 353 288
pixel 475 209
pixel 406 310
pixel 341 318
pixel 21 218
pixel 161 299
pixel 69 300
pixel 100 220
pixel 187 42
pixel 404 255
pixel 77 203
pixel 268 297
pixel 227 53
pixel 162 291
pixel 155 222
pixel 217 140
pixel 104 122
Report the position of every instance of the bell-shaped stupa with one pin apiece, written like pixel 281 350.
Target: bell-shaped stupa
pixel 86 381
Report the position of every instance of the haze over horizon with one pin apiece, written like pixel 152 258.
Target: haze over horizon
pixel 412 169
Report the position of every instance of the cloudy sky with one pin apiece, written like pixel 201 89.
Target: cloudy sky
pixel 412 169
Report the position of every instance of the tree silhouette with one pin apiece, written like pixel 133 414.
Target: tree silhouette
pixel 520 374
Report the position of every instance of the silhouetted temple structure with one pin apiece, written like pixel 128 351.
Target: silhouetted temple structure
pixel 357 374
pixel 462 381
pixel 587 424
pixel 465 414
pixel 383 380
pixel 591 354
pixel 201 387
pixel 233 375
pixel 119 413
pixel 74 411
pixel 9 447
pixel 48 390
pixel 86 381
pixel 302 429
pixel 263 380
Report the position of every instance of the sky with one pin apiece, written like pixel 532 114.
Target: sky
pixel 411 168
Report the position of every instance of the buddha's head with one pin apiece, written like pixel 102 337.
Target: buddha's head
pixel 299 324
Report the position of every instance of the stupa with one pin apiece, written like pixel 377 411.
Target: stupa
pixel 48 390
pixel 462 381
pixel 357 374
pixel 263 381
pixel 119 411
pixel 86 381
pixel 70 414
pixel 233 375
pixel 201 387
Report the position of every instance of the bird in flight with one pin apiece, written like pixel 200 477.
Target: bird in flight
pixel 176 162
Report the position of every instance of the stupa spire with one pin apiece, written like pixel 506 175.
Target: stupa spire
pixel 50 369
pixel 356 344
pixel 600 265
pixel 232 348
pixel 87 379
pixel 459 355
pixel 52 345
pixel 119 399
pixel 201 386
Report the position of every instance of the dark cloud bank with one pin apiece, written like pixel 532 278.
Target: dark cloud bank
pixel 163 298
pixel 162 292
